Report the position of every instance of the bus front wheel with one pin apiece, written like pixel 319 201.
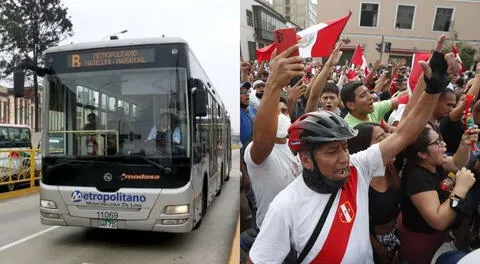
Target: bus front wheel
pixel 203 205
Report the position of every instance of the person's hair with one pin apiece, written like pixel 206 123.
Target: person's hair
pixel 460 82
pixel 445 92
pixel 363 138
pixel 283 100
pixel 347 94
pixel 420 145
pixel 330 88
pixel 363 141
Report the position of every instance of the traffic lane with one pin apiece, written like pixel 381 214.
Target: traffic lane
pixel 19 217
pixel 211 243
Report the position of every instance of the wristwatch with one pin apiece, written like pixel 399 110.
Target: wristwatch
pixel 456 203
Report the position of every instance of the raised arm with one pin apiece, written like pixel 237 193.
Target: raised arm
pixel 319 83
pixel 440 215
pixel 435 73
pixel 282 70
pixel 261 69
pixel 457 112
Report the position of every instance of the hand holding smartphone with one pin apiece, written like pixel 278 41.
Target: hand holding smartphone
pixel 284 39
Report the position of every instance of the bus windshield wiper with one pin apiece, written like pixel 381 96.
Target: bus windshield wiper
pixel 81 161
pixel 166 170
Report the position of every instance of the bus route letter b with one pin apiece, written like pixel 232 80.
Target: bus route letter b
pixel 75 61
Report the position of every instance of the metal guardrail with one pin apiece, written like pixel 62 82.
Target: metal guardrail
pixel 19 166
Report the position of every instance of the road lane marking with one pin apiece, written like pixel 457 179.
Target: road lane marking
pixel 28 238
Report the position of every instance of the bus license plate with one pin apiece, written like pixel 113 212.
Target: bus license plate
pixel 108 223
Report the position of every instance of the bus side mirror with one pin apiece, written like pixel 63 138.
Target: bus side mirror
pixel 18 83
pixel 200 102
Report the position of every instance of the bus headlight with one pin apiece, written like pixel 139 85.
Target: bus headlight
pixel 176 209
pixel 48 204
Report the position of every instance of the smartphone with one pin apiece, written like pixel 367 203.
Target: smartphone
pixel 284 39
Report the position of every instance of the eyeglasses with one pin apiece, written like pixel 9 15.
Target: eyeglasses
pixel 244 92
pixel 439 143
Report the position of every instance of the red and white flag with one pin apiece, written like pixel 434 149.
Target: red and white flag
pixel 455 52
pixel 315 41
pixel 417 70
pixel 359 60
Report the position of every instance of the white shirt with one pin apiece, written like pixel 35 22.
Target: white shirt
pixel 471 258
pixel 272 176
pixel 295 212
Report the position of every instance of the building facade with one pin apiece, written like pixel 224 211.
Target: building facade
pixel 301 12
pixel 258 20
pixel 408 26
pixel 18 110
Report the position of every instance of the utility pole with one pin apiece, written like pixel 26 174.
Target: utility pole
pixel 381 51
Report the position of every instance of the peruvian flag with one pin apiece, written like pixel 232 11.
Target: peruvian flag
pixel 359 60
pixel 417 71
pixel 455 52
pixel 315 41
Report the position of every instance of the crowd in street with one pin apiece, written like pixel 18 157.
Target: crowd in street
pixel 345 165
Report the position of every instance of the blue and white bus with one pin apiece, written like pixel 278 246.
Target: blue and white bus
pixel 140 137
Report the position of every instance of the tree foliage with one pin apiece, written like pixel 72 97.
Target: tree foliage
pixel 28 28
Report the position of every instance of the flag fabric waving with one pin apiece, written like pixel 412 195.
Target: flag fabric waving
pixel 359 60
pixel 315 41
pixel 455 52
pixel 417 71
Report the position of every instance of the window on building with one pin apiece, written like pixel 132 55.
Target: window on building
pixel 251 50
pixel 369 15
pixel 249 18
pixel 287 11
pixel 443 19
pixel 287 2
pixel 405 15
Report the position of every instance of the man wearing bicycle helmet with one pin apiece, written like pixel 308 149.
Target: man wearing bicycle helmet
pixel 320 139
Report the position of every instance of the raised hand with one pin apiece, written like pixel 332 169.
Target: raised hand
pixel 435 72
pixel 283 68
pixel 296 91
pixel 464 179
pixel 336 54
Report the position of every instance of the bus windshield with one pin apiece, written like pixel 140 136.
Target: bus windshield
pixel 118 112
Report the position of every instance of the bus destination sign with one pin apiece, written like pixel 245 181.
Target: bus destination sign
pixel 112 57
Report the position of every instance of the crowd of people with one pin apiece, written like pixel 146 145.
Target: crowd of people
pixel 343 165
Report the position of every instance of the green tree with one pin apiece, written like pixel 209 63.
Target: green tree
pixel 28 28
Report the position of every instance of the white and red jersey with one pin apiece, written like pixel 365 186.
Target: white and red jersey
pixel 295 211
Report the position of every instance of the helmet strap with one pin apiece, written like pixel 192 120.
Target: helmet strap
pixel 318 182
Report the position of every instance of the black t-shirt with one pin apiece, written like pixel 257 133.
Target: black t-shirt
pixel 452 132
pixel 417 179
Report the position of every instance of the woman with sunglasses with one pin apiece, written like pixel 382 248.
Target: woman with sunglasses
pixel 428 211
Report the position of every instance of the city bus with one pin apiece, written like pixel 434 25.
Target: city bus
pixel 140 136
pixel 15 151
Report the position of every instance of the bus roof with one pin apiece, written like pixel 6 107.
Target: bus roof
pixel 115 43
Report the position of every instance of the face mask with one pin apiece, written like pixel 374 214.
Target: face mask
pixel 259 95
pixel 283 125
pixel 320 183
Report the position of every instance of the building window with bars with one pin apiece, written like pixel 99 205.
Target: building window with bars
pixel 443 19
pixel 369 15
pixel 405 17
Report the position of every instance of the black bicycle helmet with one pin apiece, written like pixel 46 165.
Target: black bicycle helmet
pixel 318 127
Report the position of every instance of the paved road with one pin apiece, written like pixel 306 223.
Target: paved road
pixel 23 240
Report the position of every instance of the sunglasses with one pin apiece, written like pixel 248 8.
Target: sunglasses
pixel 244 92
